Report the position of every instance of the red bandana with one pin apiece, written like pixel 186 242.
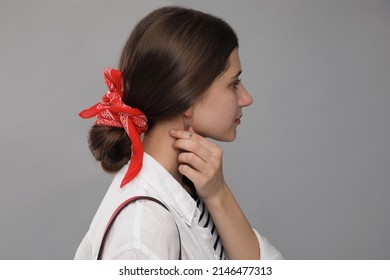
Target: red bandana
pixel 111 111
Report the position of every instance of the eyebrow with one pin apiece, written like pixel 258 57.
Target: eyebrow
pixel 238 74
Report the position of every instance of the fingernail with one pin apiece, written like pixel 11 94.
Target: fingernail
pixel 173 131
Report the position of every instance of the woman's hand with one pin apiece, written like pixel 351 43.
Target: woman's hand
pixel 200 160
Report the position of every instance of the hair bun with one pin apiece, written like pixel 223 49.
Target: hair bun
pixel 111 146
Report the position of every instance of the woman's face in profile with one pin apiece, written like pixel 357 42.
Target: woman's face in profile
pixel 218 114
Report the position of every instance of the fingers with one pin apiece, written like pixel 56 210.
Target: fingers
pixel 191 135
pixel 200 160
pixel 192 160
pixel 190 173
pixel 191 142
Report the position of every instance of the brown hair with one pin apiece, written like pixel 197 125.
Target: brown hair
pixel 170 60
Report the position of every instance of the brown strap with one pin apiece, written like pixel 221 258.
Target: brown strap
pixel 119 209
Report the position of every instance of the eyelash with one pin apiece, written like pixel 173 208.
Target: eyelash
pixel 236 83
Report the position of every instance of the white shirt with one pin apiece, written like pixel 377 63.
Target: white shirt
pixel 145 230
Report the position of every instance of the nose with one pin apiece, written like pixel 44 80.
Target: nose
pixel 245 99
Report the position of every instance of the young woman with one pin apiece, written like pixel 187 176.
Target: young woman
pixel 178 85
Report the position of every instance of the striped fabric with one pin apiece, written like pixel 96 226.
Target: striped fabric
pixel 206 221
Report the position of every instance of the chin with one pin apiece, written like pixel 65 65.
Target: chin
pixel 231 139
pixel 226 138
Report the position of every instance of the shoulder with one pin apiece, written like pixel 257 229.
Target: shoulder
pixel 145 230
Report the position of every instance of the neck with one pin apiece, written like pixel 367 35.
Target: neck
pixel 158 144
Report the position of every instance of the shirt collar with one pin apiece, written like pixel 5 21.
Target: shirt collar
pixel 169 190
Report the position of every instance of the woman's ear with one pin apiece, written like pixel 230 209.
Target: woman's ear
pixel 189 112
pixel 187 117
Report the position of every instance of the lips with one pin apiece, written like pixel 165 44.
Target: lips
pixel 238 120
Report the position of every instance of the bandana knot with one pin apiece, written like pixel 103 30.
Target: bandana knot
pixel 111 111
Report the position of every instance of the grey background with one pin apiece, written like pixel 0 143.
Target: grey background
pixel 310 167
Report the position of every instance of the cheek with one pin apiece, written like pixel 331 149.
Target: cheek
pixel 214 120
pixel 205 123
pixel 216 113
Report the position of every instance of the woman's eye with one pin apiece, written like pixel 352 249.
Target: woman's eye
pixel 236 83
